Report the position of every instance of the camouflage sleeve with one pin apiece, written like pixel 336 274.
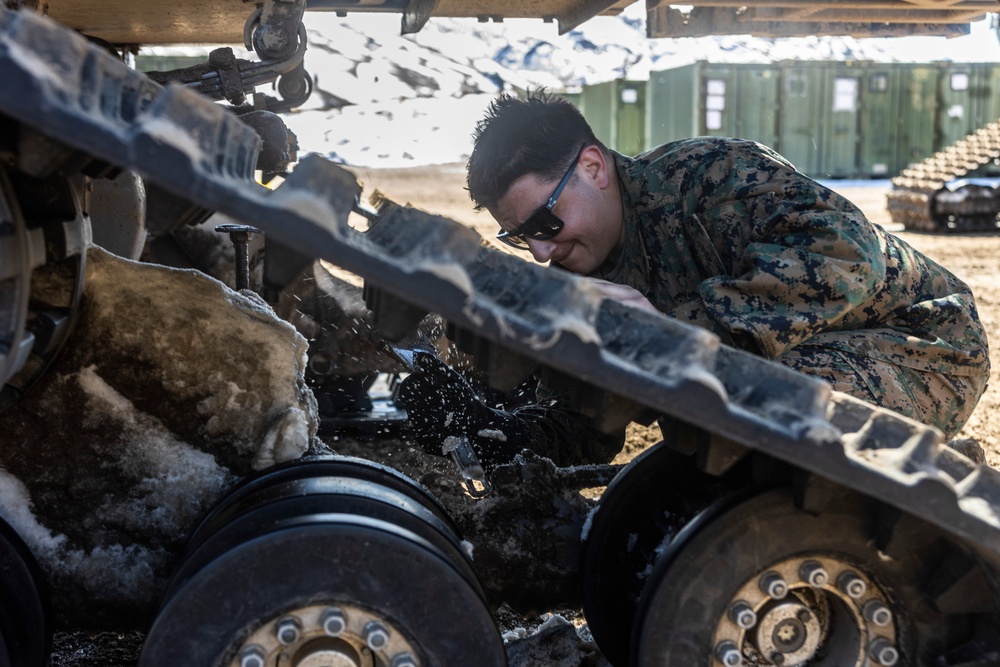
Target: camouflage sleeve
pixel 799 257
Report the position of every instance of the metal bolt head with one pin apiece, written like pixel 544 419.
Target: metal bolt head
pixel 376 636
pixel 778 659
pixel 742 615
pixel 772 585
pixel 252 656
pixel 729 654
pixel 239 233
pixel 288 630
pixel 334 621
pixel 883 652
pixel 877 613
pixel 813 574
pixel 803 615
pixel 851 584
pixel 403 660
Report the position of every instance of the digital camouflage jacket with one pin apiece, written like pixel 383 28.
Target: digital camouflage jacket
pixel 725 234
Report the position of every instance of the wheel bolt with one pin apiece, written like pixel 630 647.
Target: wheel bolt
pixel 883 652
pixel 252 656
pixel 404 660
pixel 333 621
pixel 773 585
pixel 729 654
pixel 877 613
pixel 851 584
pixel 376 636
pixel 813 574
pixel 742 615
pixel 288 630
pixel 778 658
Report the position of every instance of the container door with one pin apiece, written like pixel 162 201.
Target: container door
pixel 918 108
pixel 717 105
pixel 671 104
pixel 596 104
pixel 755 107
pixel 840 151
pixel 803 116
pixel 630 121
pixel 879 121
pixel 956 117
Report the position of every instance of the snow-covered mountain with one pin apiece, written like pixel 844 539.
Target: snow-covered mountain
pixel 387 100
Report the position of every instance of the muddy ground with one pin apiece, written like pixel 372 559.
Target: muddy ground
pixel 975 258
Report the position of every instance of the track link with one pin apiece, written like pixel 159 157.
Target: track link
pixel 913 200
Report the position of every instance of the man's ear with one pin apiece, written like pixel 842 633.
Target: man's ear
pixel 595 166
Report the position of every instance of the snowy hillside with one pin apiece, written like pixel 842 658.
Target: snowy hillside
pixel 387 100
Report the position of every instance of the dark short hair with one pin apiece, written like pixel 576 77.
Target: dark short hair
pixel 537 134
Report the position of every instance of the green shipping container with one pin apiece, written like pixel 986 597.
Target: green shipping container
pixel 830 119
pixel 616 111
pixel 820 115
pixel 969 95
pixel 704 99
pixel 897 117
pixel 806 111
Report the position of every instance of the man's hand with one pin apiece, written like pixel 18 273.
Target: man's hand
pixel 621 293
pixel 443 407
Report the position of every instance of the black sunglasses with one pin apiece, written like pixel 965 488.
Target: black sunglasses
pixel 543 224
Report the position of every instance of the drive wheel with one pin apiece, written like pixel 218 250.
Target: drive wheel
pixel 334 562
pixel 766 583
pixel 651 500
pixel 43 243
pixel 25 627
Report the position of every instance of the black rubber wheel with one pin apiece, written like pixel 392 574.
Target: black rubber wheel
pixel 258 489
pixel 25 626
pixel 342 537
pixel 299 499
pixel 766 583
pixel 15 284
pixel 39 303
pixel 649 501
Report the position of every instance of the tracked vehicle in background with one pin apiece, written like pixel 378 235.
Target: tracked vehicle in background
pixel 931 197
pixel 778 523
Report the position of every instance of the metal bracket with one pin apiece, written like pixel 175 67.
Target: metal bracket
pixel 416 14
pixel 276 33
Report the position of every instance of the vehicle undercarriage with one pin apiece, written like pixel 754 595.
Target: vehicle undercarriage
pixel 778 522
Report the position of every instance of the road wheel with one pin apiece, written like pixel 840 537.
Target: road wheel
pixel 43 242
pixel 25 626
pixel 766 583
pixel 325 563
pixel 653 498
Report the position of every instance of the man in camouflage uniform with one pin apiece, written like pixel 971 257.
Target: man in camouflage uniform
pixel 727 235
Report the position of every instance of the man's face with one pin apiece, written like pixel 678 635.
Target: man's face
pixel 589 209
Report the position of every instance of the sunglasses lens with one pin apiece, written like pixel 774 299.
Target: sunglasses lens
pixel 542 225
pixel 515 241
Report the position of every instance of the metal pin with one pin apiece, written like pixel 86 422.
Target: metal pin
pixel 240 235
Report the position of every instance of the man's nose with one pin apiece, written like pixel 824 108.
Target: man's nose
pixel 541 250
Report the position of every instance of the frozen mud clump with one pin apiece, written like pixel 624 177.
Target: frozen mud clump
pixel 171 387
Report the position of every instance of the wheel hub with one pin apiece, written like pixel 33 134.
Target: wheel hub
pixel 814 609
pixel 788 633
pixel 332 635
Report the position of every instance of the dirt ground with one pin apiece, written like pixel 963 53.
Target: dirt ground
pixel 975 258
